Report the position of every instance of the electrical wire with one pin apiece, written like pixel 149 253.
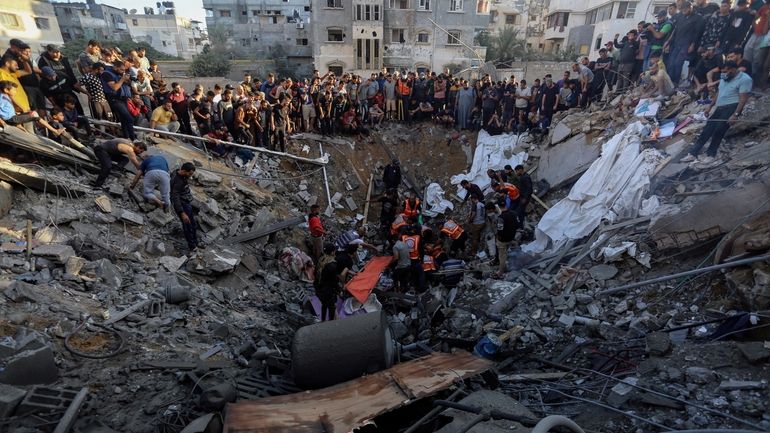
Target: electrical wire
pixel 77 352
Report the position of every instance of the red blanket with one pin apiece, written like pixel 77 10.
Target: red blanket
pixel 362 284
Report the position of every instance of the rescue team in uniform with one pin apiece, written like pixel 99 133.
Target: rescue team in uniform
pixel 420 248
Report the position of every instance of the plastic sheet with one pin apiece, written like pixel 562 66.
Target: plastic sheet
pixel 435 203
pixel 493 152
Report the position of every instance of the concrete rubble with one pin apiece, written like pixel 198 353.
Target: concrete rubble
pixel 105 296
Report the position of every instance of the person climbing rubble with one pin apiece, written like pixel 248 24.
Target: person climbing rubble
pixel 317 231
pixel 181 199
pixel 458 236
pixel 154 174
pixel 118 150
pixel 328 281
pixel 506 233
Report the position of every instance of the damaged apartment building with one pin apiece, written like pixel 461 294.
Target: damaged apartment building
pixel 265 29
pixel 364 36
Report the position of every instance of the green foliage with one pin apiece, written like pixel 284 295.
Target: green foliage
pixel 214 60
pixel 210 63
pixel 73 48
pixel 506 46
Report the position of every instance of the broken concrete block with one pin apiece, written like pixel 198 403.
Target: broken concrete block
pixel 754 351
pixel 27 359
pixel 336 197
pixel 104 270
pixel 132 217
pixel 74 264
pixel 563 163
pixel 658 343
pixel 699 375
pixel 19 291
pixel 567 319
pixel 622 392
pixel 214 260
pixel 58 253
pixel 735 385
pixel 160 218
pixel 155 247
pixel 212 206
pixel 6 197
pixel 9 399
pixel 207 178
pixel 351 204
pixel 103 203
pixel 172 263
pixel 51 235
pixel 603 272
pixel 304 196
pixel 560 132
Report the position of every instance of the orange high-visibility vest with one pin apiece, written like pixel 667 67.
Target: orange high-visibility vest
pixel 452 229
pixel 428 264
pixel 409 211
pixel 510 190
pixel 413 242
pixel 402 88
pixel 397 224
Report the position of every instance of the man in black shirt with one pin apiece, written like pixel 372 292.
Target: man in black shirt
pixel 181 200
pixel 525 191
pixel 738 28
pixel 602 72
pixel 472 190
pixel 629 47
pixel 281 121
pixel 704 8
pixel 328 282
pixel 707 72
pixel 550 92
pixel 391 175
pixel 506 232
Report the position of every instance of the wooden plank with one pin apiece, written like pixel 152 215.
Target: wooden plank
pixel 264 231
pixel 536 278
pixel 531 377
pixel 540 202
pixel 368 197
pixel 344 407
pixel 563 252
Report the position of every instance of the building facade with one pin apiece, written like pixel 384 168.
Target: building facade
pixel 525 16
pixel 589 27
pixel 34 22
pixel 91 20
pixel 167 33
pixel 265 29
pixel 365 36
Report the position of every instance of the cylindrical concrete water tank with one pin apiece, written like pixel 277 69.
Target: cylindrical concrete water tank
pixel 329 353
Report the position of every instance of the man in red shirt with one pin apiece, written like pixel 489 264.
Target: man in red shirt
pixel 317 231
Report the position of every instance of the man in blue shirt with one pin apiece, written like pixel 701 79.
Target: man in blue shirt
pixel 115 82
pixel 734 89
pixel 154 169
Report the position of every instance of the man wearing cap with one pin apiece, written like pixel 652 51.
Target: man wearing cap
pixel 704 8
pixel 628 49
pixel 54 59
pixel 56 87
pixel 658 33
pixel 734 89
pixel 683 44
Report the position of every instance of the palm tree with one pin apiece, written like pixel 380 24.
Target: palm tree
pixel 506 46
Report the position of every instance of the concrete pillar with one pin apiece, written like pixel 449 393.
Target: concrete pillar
pixel 329 353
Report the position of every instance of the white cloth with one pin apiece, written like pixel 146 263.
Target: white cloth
pixel 493 152
pixel 434 197
pixel 612 188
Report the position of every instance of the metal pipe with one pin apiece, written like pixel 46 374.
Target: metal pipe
pixel 546 424
pixel 317 161
pixel 433 412
pixel 652 391
pixel 683 274
pixel 326 180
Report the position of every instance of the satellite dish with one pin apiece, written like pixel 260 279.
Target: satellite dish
pixel 132 11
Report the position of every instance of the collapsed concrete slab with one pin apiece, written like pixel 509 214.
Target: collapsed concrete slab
pixel 711 216
pixel 566 161
pixel 46 181
pixel 343 407
pixel 27 359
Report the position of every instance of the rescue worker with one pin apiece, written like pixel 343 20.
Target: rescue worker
pixel 317 231
pixel 509 192
pixel 353 237
pixel 391 175
pixel 453 231
pixel 476 223
pixel 118 150
pixel 525 190
pixel 412 207
pixel 328 282
pixel 413 240
pixel 506 232
pixel 402 264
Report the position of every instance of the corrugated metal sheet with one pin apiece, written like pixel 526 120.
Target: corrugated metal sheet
pixel 340 408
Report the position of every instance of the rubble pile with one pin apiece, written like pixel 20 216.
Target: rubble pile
pixel 107 325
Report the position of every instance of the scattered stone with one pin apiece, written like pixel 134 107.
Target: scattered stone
pixel 132 217
pixel 155 247
pixel 74 264
pixel 160 218
pixel 214 260
pixel 699 375
pixel 622 392
pixel 27 359
pixel 658 343
pixel 116 190
pixel 103 203
pixel 567 319
pixel 351 204
pixel 51 235
pixel 104 269
pixel 172 263
pixel 19 291
pixel 603 272
pixel 755 352
pixel 207 178
pixel 9 399
pixel 622 307
pixel 58 253
pixel 560 133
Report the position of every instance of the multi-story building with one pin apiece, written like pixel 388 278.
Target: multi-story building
pixel 526 17
pixel 265 29
pixel 33 21
pixel 589 27
pixel 167 33
pixel 367 35
pixel 91 20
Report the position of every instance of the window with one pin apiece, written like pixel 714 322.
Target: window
pixel 482 7
pixel 510 19
pixel 397 36
pixel 224 13
pixel 424 5
pixel 245 42
pixel 335 35
pixel 335 69
pixel 558 20
pixel 209 13
pixel 190 41
pixel 367 54
pixel 423 37
pixel 254 12
pixel 455 5
pixel 11 21
pixel 302 41
pixel 273 20
pixel 164 43
pixel 453 38
pixel 43 23
pixel 67 11
pixel 337 4
pixel 583 49
pixel 626 10
pixel 398 4
pixel 366 13
pixel 135 22
pixel 598 43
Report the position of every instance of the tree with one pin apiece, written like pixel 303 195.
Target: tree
pixel 506 46
pixel 213 61
pixel 74 47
